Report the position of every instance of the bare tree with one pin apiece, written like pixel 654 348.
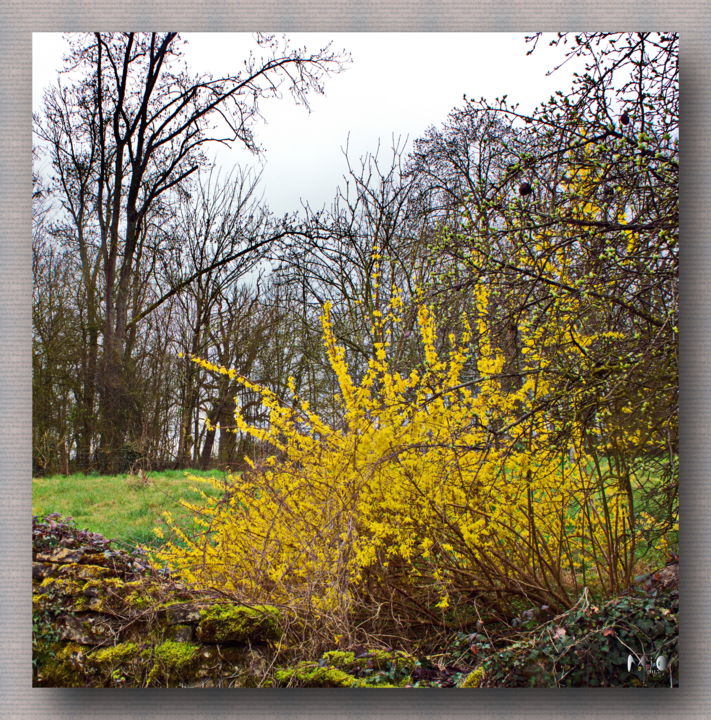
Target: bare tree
pixel 220 219
pixel 125 136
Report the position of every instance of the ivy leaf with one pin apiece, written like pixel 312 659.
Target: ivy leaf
pixel 560 632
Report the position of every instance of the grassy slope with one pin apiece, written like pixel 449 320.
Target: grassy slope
pixel 120 506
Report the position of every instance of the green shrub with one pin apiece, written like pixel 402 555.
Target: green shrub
pixel 591 646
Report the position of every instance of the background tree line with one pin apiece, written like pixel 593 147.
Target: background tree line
pixel 142 252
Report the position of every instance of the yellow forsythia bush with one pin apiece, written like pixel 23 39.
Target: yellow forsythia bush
pixel 432 490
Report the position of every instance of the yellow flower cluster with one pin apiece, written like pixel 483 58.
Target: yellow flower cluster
pixel 433 485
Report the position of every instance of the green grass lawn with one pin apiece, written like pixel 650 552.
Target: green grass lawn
pixel 121 507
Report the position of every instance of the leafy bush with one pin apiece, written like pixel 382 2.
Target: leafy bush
pixel 436 489
pixel 616 644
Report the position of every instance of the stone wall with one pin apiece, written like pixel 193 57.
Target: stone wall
pixel 104 618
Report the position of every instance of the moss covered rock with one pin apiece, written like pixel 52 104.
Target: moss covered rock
pixel 378 660
pixel 339 668
pixel 116 665
pixel 224 623
pixel 311 674
pixel 62 666
pixel 473 680
pixel 116 655
pixel 173 662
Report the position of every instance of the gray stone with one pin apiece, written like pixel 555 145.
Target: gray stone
pixel 180 613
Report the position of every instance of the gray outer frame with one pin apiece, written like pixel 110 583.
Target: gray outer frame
pixel 17 21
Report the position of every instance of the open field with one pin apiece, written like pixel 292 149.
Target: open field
pixel 121 507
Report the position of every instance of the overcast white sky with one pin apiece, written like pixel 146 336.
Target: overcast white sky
pixel 397 85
